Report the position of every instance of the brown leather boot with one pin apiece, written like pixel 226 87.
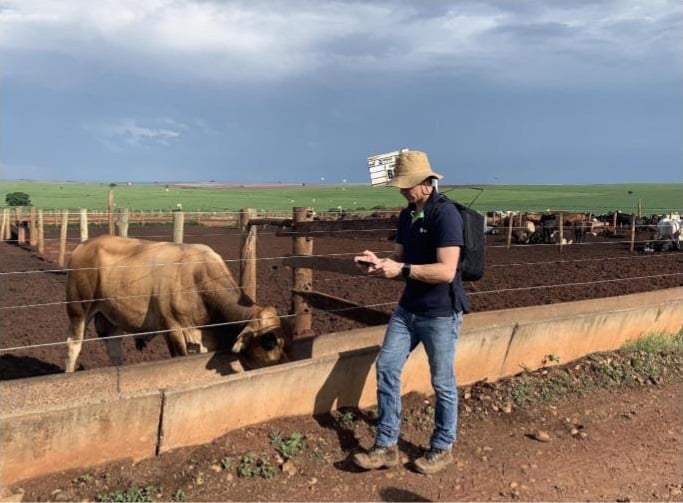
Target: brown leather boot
pixel 434 460
pixel 377 457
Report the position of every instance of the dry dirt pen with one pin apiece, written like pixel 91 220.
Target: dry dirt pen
pixel 51 423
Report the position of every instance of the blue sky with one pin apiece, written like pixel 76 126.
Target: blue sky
pixel 582 91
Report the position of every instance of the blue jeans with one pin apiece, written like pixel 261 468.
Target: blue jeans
pixel 438 335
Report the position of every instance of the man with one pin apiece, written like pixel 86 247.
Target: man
pixel 430 311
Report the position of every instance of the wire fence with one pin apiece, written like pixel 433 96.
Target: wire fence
pixel 350 278
pixel 348 255
pixel 329 311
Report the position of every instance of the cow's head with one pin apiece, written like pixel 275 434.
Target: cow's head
pixel 262 338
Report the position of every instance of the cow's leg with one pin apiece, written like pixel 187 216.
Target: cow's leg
pixel 74 341
pixel 175 340
pixel 196 342
pixel 110 332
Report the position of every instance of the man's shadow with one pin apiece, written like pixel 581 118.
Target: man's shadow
pixel 398 494
pixel 342 392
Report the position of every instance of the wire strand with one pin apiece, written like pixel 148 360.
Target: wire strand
pixel 333 311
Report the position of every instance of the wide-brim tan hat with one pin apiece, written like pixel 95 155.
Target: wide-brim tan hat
pixel 412 168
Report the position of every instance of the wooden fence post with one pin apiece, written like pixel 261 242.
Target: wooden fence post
pixel 248 253
pixel 32 233
pixel 62 238
pixel 110 211
pixel 614 222
pixel 41 233
pixel 633 233
pixel 84 224
pixel 178 223
pixel 21 232
pixel 561 216
pixel 123 223
pixel 302 277
pixel 246 215
pixel 4 223
pixel 248 263
pixel 509 238
pixel 8 227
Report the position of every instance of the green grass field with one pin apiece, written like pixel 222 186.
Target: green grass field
pixel 654 198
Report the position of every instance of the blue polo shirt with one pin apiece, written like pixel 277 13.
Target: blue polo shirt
pixel 419 247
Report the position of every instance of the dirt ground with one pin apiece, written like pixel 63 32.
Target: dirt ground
pixel 616 443
pixel 606 440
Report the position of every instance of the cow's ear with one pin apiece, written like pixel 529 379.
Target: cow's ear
pixel 243 338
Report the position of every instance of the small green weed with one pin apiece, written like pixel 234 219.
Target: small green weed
pixel 346 419
pixel 551 358
pixel 320 455
pixel 521 392
pixel 179 495
pixel 252 466
pixel 84 478
pixel 425 418
pixel 553 387
pixel 287 447
pixel 132 494
pixel 226 463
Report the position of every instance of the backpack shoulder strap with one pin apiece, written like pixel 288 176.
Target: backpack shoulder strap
pixel 434 209
pixel 441 201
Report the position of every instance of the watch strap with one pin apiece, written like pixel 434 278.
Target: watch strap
pixel 405 271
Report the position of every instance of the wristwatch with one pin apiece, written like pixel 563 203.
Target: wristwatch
pixel 405 271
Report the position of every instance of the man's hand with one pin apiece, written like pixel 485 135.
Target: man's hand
pixel 366 260
pixel 384 268
pixel 387 268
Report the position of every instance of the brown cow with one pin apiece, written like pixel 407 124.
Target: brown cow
pixel 523 234
pixel 145 287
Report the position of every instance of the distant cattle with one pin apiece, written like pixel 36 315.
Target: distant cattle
pixel 533 217
pixel 548 225
pixel 575 218
pixel 580 231
pixel 621 219
pixel 183 291
pixel 523 234
pixel 668 236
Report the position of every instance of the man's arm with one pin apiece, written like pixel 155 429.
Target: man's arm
pixel 441 271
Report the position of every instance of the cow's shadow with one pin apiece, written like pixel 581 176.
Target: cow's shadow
pixel 225 362
pixel 19 367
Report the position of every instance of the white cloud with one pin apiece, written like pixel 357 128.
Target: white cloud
pixel 128 133
pixel 271 40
